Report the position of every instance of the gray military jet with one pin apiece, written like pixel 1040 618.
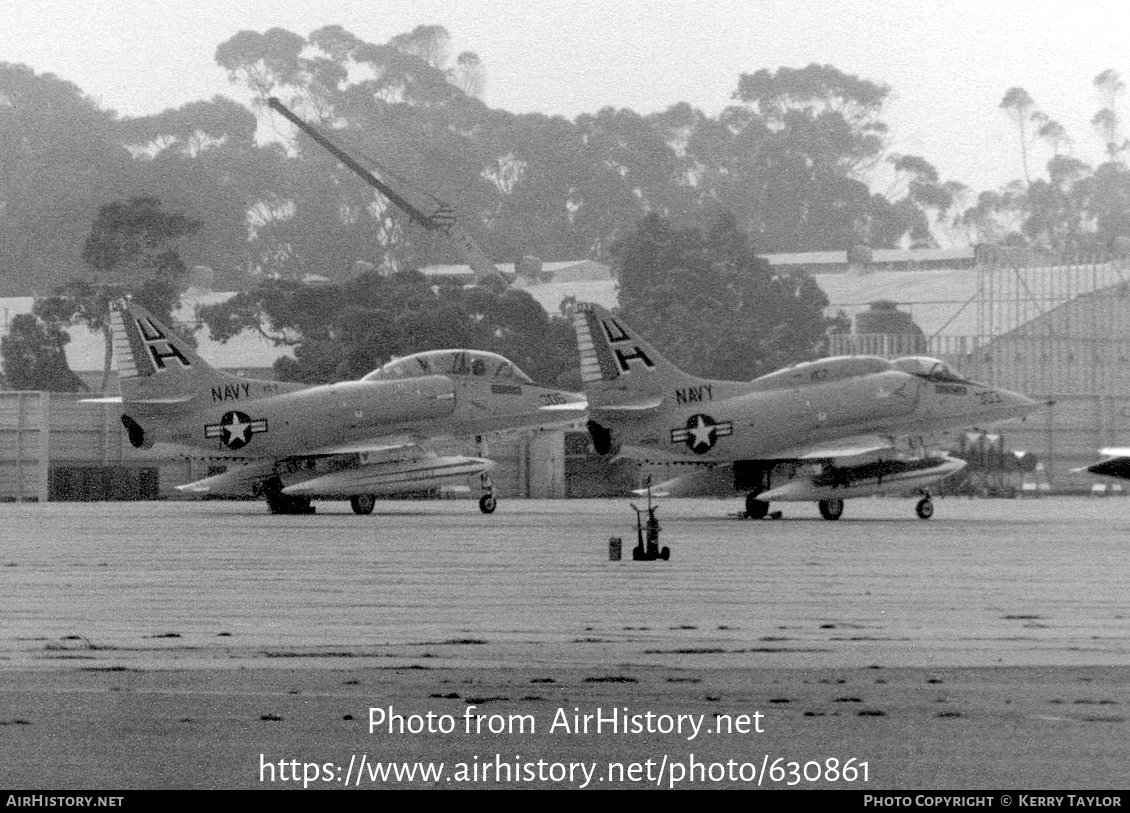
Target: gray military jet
pixel 352 439
pixel 825 430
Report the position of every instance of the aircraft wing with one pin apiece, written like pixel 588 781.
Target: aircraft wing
pixel 384 466
pixel 400 445
pixel 1116 463
pixel 705 481
pixel 387 476
pixel 238 481
pixel 838 450
pixel 865 457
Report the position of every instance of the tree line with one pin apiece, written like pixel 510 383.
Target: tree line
pixel 786 167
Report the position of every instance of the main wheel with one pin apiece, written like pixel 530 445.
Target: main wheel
pixel 362 503
pixel 831 509
pixel 487 503
pixel 283 504
pixel 755 508
pixel 279 503
pixel 925 508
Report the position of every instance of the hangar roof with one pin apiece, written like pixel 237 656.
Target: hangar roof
pixel 969 301
pixel 942 301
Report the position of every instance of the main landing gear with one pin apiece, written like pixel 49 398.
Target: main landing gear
pixel 834 509
pixel 487 502
pixel 755 508
pixel 831 509
pixel 279 503
pixel 362 504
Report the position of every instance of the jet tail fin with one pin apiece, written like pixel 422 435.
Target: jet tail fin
pixel 155 366
pixel 618 367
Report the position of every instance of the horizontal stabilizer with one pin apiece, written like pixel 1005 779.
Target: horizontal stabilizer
pixel 577 406
pixel 117 399
pixel 634 408
pixel 633 411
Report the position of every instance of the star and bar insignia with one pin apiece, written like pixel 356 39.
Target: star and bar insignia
pixel 701 433
pixel 235 429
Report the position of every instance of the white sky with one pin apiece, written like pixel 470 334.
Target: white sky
pixel 948 62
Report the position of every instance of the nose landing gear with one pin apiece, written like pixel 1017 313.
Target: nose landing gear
pixel 487 502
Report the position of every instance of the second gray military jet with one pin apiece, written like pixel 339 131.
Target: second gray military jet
pixel 824 430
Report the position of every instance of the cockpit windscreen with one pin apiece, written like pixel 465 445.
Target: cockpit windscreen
pixel 478 363
pixel 929 368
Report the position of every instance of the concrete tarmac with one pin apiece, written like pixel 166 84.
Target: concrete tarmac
pixel 197 644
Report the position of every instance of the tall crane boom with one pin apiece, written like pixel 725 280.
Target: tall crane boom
pixel 442 218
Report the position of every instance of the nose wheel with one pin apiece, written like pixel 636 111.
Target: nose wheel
pixel 487 502
pixel 924 508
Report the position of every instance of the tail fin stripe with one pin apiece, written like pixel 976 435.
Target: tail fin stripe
pixel 619 368
pixel 155 366
pixel 591 368
pixel 121 346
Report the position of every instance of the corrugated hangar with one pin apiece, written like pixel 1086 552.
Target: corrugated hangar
pixel 1058 331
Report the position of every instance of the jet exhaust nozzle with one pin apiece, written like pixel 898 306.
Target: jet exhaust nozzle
pixel 601 437
pixel 135 433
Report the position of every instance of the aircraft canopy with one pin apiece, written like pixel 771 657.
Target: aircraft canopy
pixel 450 362
pixel 927 367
